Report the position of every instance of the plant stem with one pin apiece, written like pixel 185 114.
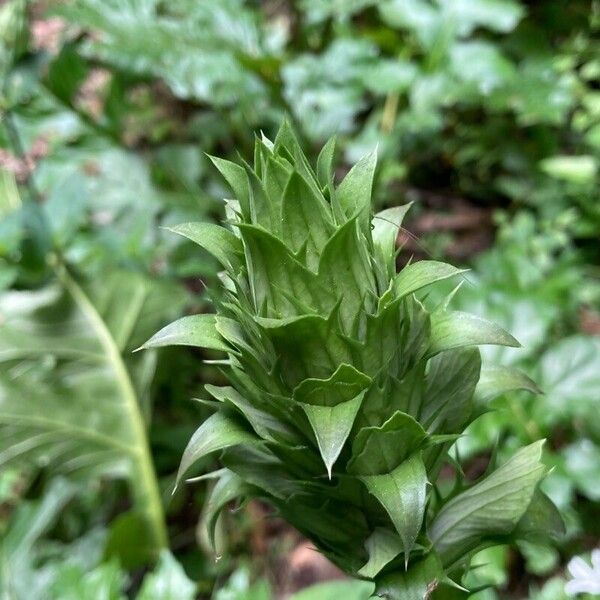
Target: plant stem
pixel 143 480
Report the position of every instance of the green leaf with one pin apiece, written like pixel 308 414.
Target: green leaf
pixel 570 377
pixel 264 424
pixel 75 342
pixel 167 582
pixel 386 226
pixel 220 242
pixel 492 507
pixel 378 450
pixel 573 169
pixel 420 274
pixel 129 541
pixel 304 220
pixel 354 193
pixel 403 494
pixel 194 330
pixel 219 431
pixel 383 546
pixel 454 329
pixel 277 278
pixel 331 406
pixel 229 487
pixel 497 380
pixel 307 347
pixel 237 179
pixel 417 583
pixel 344 385
pixel 334 590
pixel 451 381
pixel 325 164
pixel 332 425
pixel 541 520
pixel 29 521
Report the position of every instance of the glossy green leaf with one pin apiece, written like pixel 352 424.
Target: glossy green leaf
pixel 229 487
pixel 278 280
pixel 447 399
pixel 354 193
pixel 417 583
pixel 331 426
pixel 496 381
pixel 344 271
pixel 266 425
pixel 453 329
pixel 378 450
pixel 383 547
pixel 386 227
pixel 420 274
pixel 237 179
pixel 403 494
pixel 494 506
pixel 194 330
pixel 220 242
pixel 216 433
pixel 74 341
pixel 345 384
pixel 325 164
pixel 300 210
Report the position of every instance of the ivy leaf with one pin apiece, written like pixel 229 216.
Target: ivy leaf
pixel 403 494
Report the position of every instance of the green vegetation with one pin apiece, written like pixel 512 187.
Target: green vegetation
pixel 486 117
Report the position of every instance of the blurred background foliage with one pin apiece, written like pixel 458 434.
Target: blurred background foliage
pixel 487 116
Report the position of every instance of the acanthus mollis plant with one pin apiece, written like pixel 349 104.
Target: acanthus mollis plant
pixel 348 391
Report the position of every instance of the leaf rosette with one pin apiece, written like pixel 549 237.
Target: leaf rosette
pixel 347 391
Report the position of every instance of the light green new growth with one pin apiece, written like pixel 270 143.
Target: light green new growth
pixel 346 390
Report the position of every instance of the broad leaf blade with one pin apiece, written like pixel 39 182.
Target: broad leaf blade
pixel 454 329
pixel 383 547
pixel 354 193
pixel 417 583
pixel 378 450
pixel 497 380
pixel 220 242
pixel 332 425
pixel 403 494
pixel 218 432
pixel 420 274
pixel 494 506
pixel 194 330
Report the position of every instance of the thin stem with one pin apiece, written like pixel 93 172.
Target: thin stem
pixel 144 482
